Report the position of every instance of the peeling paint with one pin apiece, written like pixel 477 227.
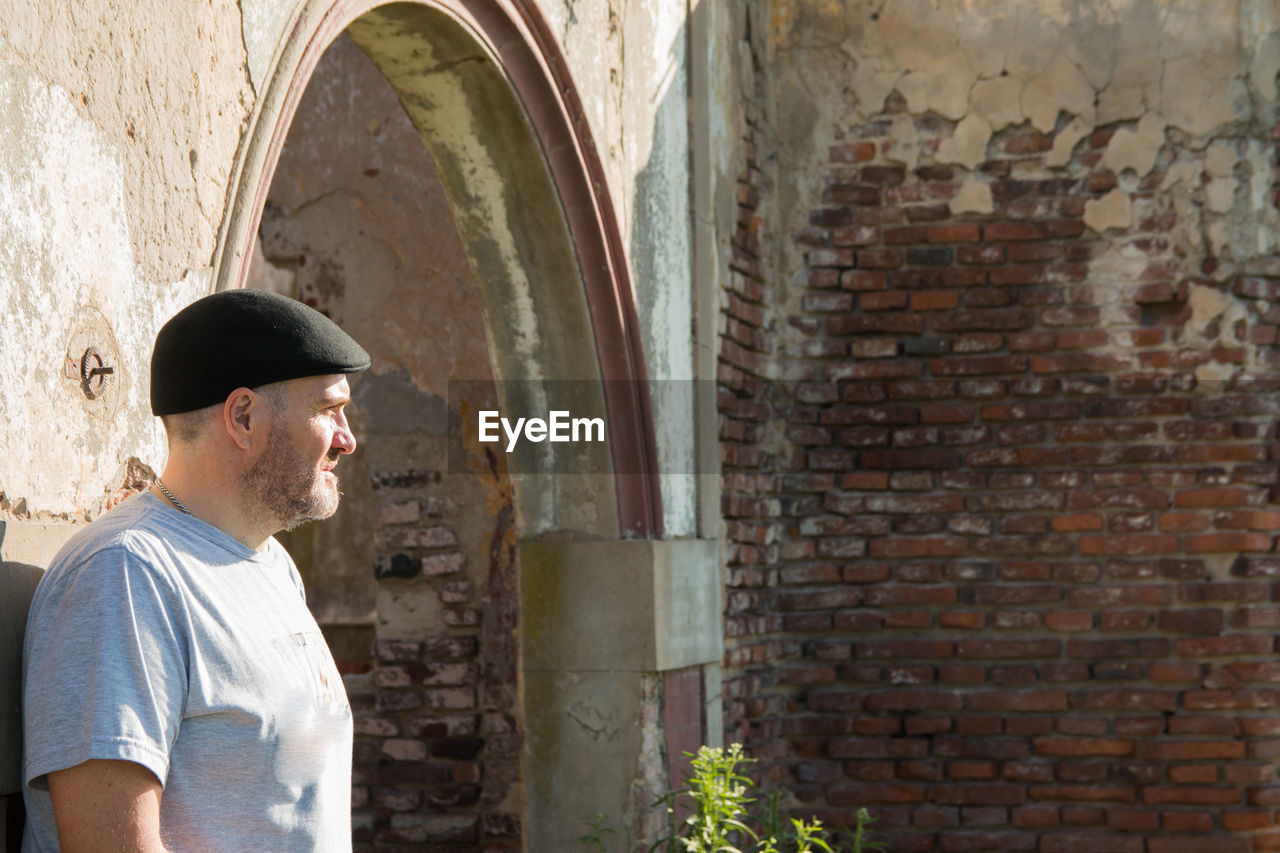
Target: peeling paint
pixel 998 101
pixel 1136 149
pixel 1065 142
pixel 973 197
pixel 968 146
pixel 1113 210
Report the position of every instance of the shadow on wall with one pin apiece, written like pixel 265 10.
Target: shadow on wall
pixel 17 586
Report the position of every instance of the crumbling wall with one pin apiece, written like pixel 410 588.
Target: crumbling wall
pixel 1004 567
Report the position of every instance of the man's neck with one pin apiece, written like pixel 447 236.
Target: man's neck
pixel 208 496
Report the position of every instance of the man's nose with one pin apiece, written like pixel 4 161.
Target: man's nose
pixel 344 440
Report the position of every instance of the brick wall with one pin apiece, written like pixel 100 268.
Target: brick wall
pixel 437 743
pixel 750 482
pixel 1009 580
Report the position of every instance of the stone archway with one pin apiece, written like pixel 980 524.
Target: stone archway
pixel 486 86
pixel 487 90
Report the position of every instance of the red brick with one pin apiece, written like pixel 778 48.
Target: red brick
pixel 1068 620
pixel 903 235
pixel 1220 700
pixel 861 280
pixel 954 234
pixel 978 365
pixel 893 595
pixel 984 319
pixel 1248 519
pixel 1191 795
pixel 1128 545
pixel 980 254
pixel 875 259
pixel 1202 621
pixel 1226 542
pixel 1132 820
pixel 1068 315
pixel 1077 522
pixel 948 546
pixel 882 324
pixel 1125 700
pixel 934 300
pixel 865 480
pixel 913 700
pixel 860 794
pixel 1007 649
pixel 1034 817
pixel 855 235
pixel 1078 362
pixel 1064 746
pixel 1018 701
pixel 1083 793
pixel 1174 672
pixel 1182 522
pixel 913 649
pixel 883 300
pixel 999 231
pixel 971 621
pixel 853 152
pixel 1245 820
pixel 979 793
pixel 1216 497
pixel 1177 750
pixel 1239 644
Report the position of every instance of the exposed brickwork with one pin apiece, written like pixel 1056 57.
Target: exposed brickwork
pixel 1010 585
pixel 437 747
pixel 749 483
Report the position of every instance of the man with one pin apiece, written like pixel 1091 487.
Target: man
pixel 177 693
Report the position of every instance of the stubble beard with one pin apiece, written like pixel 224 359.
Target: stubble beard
pixel 285 490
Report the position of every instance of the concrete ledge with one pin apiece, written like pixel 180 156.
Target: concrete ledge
pixel 620 605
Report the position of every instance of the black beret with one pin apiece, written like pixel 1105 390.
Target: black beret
pixel 243 338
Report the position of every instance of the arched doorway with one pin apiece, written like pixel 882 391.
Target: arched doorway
pixel 484 89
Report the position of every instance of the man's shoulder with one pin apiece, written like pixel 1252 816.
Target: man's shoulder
pixel 135 531
pixel 133 522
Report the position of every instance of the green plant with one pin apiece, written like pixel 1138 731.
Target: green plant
pixel 599 828
pixel 720 822
pixel 860 841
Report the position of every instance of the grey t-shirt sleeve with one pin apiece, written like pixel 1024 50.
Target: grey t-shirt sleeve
pixel 105 667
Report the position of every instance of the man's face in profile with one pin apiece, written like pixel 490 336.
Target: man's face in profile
pixel 293 481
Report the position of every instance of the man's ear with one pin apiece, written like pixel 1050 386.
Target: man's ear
pixel 243 415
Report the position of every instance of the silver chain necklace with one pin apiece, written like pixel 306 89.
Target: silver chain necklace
pixel 168 494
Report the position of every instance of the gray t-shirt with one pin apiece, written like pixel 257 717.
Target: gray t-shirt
pixel 159 639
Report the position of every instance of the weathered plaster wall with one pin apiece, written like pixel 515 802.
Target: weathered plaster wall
pixel 113 182
pixel 631 66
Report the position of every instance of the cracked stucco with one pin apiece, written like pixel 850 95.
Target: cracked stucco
pixel 1182 94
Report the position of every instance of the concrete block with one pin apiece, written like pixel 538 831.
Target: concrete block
pixel 624 605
